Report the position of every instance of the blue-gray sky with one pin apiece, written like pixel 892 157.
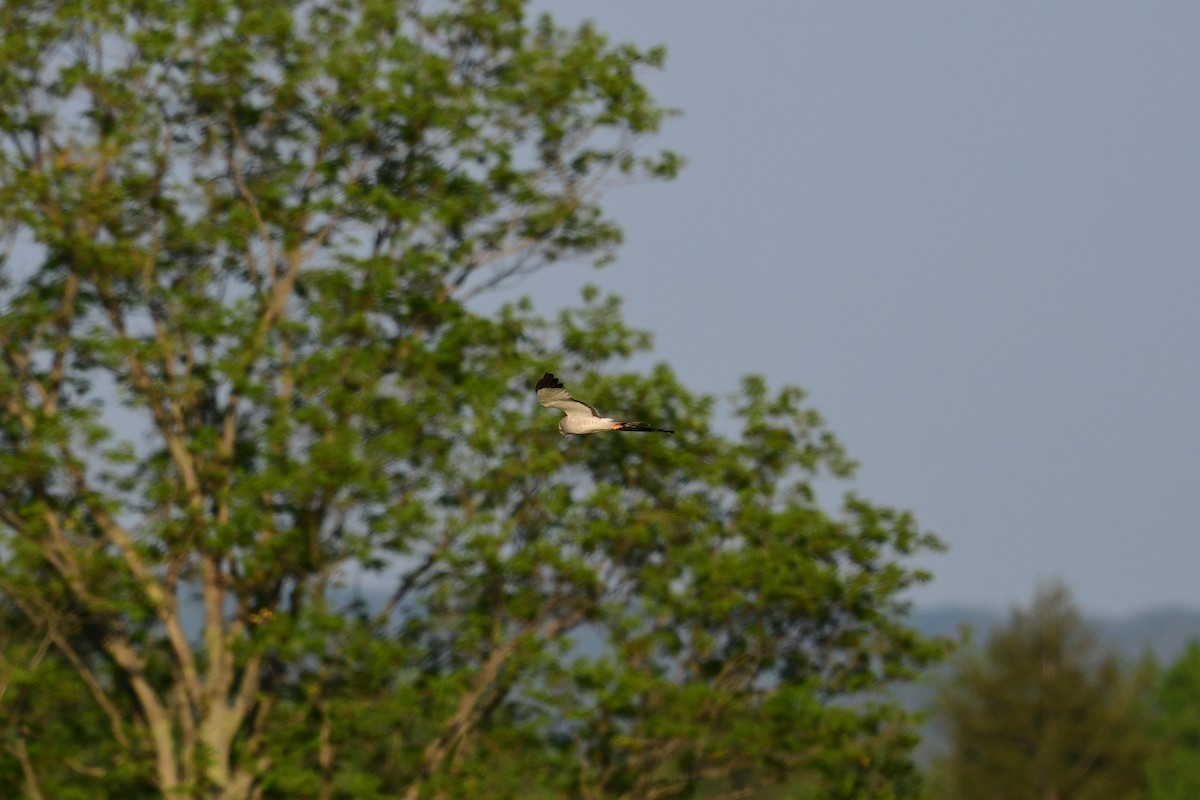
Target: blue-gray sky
pixel 972 232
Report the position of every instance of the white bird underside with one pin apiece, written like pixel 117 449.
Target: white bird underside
pixel 581 417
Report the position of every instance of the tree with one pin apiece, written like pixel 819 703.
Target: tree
pixel 1043 712
pixel 1174 770
pixel 280 501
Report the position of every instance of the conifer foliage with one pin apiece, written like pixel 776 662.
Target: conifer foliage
pixel 1044 711
pixel 1174 770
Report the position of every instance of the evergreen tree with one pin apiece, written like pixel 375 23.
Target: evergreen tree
pixel 1174 771
pixel 1043 711
pixel 284 506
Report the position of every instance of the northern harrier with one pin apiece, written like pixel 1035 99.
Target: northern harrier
pixel 581 417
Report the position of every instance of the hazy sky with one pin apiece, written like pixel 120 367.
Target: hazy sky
pixel 970 231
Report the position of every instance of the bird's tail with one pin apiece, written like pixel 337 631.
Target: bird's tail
pixel 641 427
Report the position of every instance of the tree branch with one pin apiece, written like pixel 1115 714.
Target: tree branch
pixel 19 750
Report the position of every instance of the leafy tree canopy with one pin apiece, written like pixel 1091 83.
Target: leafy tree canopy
pixel 241 382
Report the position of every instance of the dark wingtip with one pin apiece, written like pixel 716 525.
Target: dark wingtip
pixel 548 381
pixel 641 427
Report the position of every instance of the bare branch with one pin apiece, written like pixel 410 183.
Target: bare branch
pixel 455 728
pixel 473 705
pixel 412 580
pixel 163 602
pixel 238 178
pixel 65 316
pixel 34 661
pixel 19 750
pixel 169 427
pixel 53 635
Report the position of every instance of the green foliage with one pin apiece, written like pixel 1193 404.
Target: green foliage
pixel 1043 711
pixel 286 501
pixel 1174 771
pixel 51 725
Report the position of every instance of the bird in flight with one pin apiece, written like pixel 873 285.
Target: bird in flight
pixel 581 417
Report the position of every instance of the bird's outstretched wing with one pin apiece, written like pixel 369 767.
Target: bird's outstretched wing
pixel 551 394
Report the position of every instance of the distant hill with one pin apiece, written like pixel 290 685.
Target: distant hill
pixel 1164 632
